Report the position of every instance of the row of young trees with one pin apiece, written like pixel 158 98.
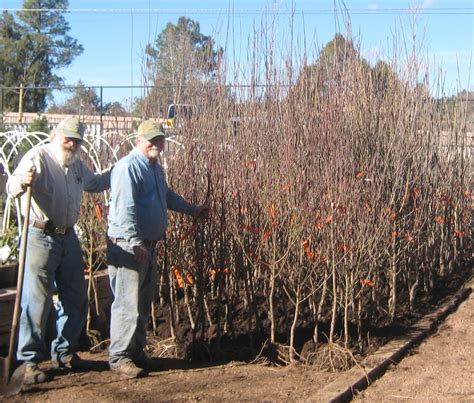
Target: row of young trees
pixel 342 198
pixel 339 204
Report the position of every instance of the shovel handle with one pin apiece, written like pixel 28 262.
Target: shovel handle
pixel 19 287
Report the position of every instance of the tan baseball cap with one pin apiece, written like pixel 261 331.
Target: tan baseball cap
pixel 149 129
pixel 72 128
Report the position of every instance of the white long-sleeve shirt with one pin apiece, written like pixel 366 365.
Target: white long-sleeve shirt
pixel 57 190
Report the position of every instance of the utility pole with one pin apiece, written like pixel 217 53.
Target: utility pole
pixel 20 105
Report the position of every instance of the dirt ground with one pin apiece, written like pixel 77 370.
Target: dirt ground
pixel 227 382
pixel 440 369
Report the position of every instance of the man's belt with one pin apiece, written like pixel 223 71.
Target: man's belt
pixel 49 228
pixel 146 242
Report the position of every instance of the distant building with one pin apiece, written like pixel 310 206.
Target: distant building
pixel 95 124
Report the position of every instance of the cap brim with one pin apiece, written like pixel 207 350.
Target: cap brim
pixel 72 135
pixel 151 136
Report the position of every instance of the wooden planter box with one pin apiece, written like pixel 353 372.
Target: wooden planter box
pixel 8 274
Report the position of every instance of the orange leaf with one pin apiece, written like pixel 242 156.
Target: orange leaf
pixel 98 212
pixel 213 271
pixel 312 256
pixel 266 234
pixel 272 210
pixel 366 281
pixel 328 219
pixel 460 233
pixel 407 236
pixel 190 278
pixel 178 276
pixel 345 248
pixel 360 174
pixel 252 164
pixel 439 220
pixel 415 191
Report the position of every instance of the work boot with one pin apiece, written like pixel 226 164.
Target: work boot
pixel 72 362
pixel 127 369
pixel 34 375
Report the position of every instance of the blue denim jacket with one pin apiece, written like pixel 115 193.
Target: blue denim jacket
pixel 139 199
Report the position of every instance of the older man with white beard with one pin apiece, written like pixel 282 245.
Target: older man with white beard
pixel 139 200
pixel 58 177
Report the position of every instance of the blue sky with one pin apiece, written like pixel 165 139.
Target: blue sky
pixel 115 32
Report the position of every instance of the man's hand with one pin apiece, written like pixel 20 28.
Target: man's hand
pixel 141 253
pixel 28 178
pixel 202 211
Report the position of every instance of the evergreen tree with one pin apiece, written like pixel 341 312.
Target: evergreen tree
pixel 40 124
pixel 32 47
pixel 180 56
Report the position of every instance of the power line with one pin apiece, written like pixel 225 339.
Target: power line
pixel 222 11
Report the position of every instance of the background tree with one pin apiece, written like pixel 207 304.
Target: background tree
pixel 40 124
pixel 83 101
pixel 32 48
pixel 10 70
pixel 382 76
pixel 330 69
pixel 181 55
pixel 115 109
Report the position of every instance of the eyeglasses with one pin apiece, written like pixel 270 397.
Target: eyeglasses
pixel 157 140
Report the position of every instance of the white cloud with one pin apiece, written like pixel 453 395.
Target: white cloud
pixel 373 6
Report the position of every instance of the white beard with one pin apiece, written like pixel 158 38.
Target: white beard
pixel 69 157
pixel 154 153
pixel 66 157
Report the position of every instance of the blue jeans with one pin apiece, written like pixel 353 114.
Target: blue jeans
pixel 133 285
pixel 52 262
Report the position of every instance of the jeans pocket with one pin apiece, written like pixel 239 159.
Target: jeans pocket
pixel 121 254
pixel 112 254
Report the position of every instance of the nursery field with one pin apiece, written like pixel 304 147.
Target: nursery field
pixel 437 370
pixel 341 213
